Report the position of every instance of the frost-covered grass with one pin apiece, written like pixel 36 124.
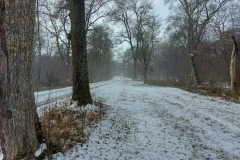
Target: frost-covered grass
pixel 147 122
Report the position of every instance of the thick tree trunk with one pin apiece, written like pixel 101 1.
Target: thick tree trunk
pixel 17 106
pixel 196 77
pixel 234 68
pixel 81 90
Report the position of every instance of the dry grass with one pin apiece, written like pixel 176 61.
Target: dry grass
pixel 64 127
pixel 213 89
pixel 60 126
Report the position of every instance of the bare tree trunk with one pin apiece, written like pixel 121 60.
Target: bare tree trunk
pixel 135 69
pixel 233 67
pixel 196 77
pixel 81 89
pixel 39 46
pixel 17 106
pixel 145 74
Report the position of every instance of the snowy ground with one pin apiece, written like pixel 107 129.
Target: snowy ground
pixel 44 97
pixel 147 122
pixel 151 123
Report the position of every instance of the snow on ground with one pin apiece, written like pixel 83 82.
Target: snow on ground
pixel 42 96
pixel 147 122
pixel 46 96
pixel 151 123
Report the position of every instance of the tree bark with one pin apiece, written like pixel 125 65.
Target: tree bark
pixel 17 106
pixel 234 74
pixel 196 77
pixel 135 68
pixel 81 89
pixel 145 74
pixel 39 47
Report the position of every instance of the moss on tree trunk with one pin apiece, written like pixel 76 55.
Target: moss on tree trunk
pixel 81 89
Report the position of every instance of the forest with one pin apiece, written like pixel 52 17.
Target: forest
pixel 194 47
pixel 47 46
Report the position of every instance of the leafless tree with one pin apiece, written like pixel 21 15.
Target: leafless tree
pixel 121 13
pixel 192 19
pixel 56 22
pixel 132 14
pixel 146 39
pixel 93 8
pixel 100 53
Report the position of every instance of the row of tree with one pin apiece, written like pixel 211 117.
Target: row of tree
pixel 140 30
pixel 52 43
pixel 199 47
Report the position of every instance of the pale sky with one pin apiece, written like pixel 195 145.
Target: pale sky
pixel 161 9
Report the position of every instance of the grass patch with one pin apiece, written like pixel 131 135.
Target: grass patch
pixel 213 91
pixel 62 128
pixel 65 126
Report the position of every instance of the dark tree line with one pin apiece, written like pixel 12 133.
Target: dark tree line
pixel 100 54
pixel 55 44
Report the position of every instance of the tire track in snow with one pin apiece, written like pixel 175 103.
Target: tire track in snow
pixel 50 98
pixel 168 123
pixel 190 123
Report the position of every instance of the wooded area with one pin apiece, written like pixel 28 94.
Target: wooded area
pixel 51 44
pixel 196 48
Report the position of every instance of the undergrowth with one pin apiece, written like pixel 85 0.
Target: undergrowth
pixel 212 89
pixel 65 126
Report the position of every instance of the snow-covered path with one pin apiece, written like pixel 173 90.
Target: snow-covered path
pixel 50 97
pixel 147 122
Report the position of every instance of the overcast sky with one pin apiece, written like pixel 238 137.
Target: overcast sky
pixel 161 9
